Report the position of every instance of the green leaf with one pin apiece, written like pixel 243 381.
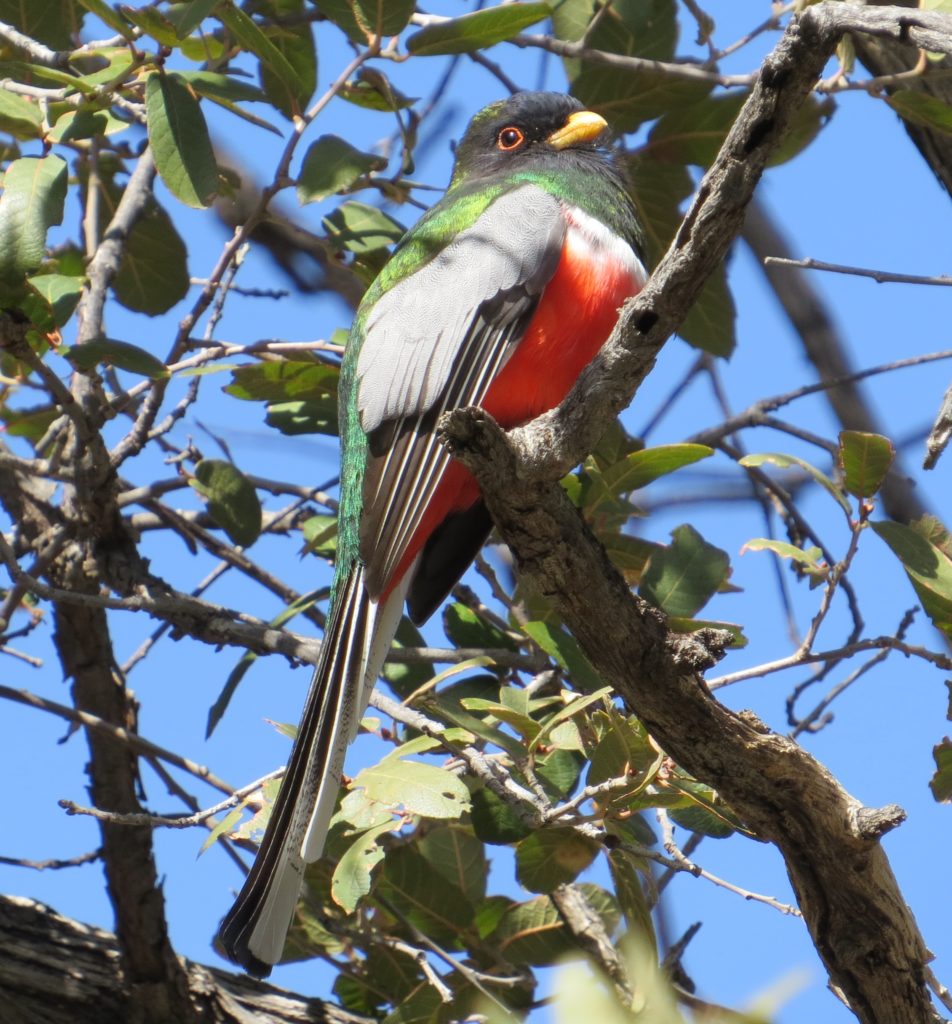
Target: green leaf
pixel 560 769
pixel 659 191
pixel 478 30
pixel 296 44
pixel 431 902
pixel 34 193
pixel 332 165
pixel 459 857
pixel 788 461
pixel 682 578
pixel 320 535
pixel 928 565
pixel 223 827
pixel 495 821
pixel 361 228
pixel 639 469
pixel 419 788
pixel 61 293
pixel 179 138
pixel 919 108
pixel 575 704
pixel 372 90
pixel 188 16
pixel 809 556
pixel 232 500
pixel 551 857
pixel 20 116
pixel 53 22
pixel 153 23
pixel 631 28
pixel 216 85
pixel 352 875
pixel 276 68
pixel 941 783
pixel 631 894
pixel 622 748
pixel 109 16
pixel 86 124
pixel 467 629
pixel 424 1006
pixel 121 354
pixel 694 134
pixel 153 272
pixel 705 812
pixel 564 648
pixel 283 380
pixel 710 323
pixel 294 418
pixel 30 423
pixel 534 932
pixel 865 460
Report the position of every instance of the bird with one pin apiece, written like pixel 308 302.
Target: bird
pixel 498 297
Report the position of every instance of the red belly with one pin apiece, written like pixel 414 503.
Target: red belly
pixel 574 318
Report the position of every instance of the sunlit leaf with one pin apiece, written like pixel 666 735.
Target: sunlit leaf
pixel 34 193
pixel 352 874
pixel 331 165
pixel 927 564
pixel 419 788
pixel 941 782
pixel 789 461
pixel 60 292
pixel 922 109
pixel 865 460
pixel 478 30
pixel 640 468
pixel 361 228
pixel 179 139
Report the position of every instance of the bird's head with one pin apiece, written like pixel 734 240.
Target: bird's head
pixel 530 130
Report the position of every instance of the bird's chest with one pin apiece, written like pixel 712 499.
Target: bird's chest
pixel 596 273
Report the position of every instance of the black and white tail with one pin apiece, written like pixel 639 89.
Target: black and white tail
pixel 356 642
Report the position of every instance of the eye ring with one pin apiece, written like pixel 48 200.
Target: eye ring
pixel 510 138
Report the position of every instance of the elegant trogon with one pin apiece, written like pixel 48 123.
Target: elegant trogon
pixel 498 297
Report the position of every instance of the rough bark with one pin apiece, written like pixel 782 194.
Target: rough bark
pixel 882 55
pixel 858 920
pixel 57 971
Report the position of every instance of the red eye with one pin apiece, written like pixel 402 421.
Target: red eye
pixel 510 138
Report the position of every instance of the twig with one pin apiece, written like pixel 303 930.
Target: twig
pixel 942 661
pixel 137 743
pixel 667 831
pixel 176 820
pixel 53 865
pixel 879 276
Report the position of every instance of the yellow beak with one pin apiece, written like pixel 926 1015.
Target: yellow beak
pixel 582 126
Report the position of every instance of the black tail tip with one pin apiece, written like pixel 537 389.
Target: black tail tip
pixel 235 948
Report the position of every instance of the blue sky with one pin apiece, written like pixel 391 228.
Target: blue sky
pixel 859 195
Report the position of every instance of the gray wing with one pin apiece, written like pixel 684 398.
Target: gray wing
pixel 435 342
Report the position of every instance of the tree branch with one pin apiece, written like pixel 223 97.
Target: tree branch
pixel 83 983
pixel 859 922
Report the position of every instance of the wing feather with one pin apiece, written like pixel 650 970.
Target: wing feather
pixel 436 342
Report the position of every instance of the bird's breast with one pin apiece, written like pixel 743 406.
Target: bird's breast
pixel 596 273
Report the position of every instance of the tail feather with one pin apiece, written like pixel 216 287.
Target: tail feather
pixel 355 646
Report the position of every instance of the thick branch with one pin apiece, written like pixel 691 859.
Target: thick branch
pixel 62 972
pixel 857 917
